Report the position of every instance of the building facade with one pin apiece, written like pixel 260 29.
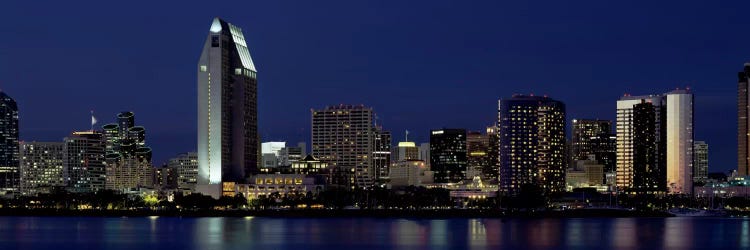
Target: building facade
pixel 228 138
pixel 41 167
pixel 84 162
pixel 680 142
pixel 186 168
pixel 410 173
pixel 478 154
pixel 448 157
pixel 700 161
pixel 127 157
pixel 343 136
pixel 743 124
pixel 9 152
pixel 594 137
pixel 532 143
pixel 381 154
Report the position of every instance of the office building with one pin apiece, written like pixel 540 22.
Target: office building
pixel 9 163
pixel 289 155
pixel 680 142
pixel 406 150
pixel 594 137
pixel 186 168
pixel 700 164
pixel 343 136
pixel 655 143
pixel 228 138
pixel 478 154
pixel 84 162
pixel 448 157
pixel 410 172
pixel 492 170
pixel 165 177
pixel 41 167
pixel 743 124
pixel 424 153
pixel 381 154
pixel 532 143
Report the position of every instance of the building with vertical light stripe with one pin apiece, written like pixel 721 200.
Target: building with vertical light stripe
pixel 228 141
pixel 743 128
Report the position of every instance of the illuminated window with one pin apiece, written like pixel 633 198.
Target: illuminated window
pixel 203 68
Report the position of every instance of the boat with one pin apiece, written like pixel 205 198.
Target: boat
pixel 692 212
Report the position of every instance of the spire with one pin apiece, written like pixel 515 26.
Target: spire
pixel 406 138
pixel 93 120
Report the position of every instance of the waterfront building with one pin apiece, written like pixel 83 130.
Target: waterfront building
pixel 448 156
pixel 127 157
pixel 228 137
pixel 532 143
pixel 478 154
pixel 264 185
pixel 186 168
pixel 84 162
pixel 743 124
pixel 343 136
pixel 41 167
pixel 381 154
pixel 594 137
pixel 410 172
pixel 9 159
pixel 700 158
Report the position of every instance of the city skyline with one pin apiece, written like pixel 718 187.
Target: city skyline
pixel 292 127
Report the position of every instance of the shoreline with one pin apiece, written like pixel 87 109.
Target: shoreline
pixel 329 213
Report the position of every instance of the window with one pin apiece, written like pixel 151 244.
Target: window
pixel 204 68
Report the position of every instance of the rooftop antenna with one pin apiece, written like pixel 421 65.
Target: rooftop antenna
pixel 406 138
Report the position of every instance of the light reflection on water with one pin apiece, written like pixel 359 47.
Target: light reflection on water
pixel 368 233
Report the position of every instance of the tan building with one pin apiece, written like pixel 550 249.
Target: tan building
pixel 410 173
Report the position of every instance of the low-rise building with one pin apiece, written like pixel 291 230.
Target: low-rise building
pixel 283 184
pixel 410 173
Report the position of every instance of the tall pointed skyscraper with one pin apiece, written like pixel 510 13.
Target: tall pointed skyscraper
pixel 227 109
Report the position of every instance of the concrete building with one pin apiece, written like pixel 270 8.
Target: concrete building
pixel 424 153
pixel 594 137
pixel 186 168
pixel 406 150
pixel 680 142
pixel 478 154
pixel 448 156
pixel 228 137
pixel 84 162
pixel 410 173
pixel 289 155
pixel 343 136
pixel 9 163
pixel 532 143
pixel 586 173
pixel 127 157
pixel 41 167
pixel 264 185
pixel 700 159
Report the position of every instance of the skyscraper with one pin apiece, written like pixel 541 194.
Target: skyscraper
pixel 478 157
pixel 700 159
pixel 186 167
pixel 743 126
pixel 406 150
pixel 381 154
pixel 655 143
pixel 532 143
pixel 680 141
pixel 343 136
pixel 83 161
pixel 593 137
pixel 9 164
pixel 448 156
pixel 227 109
pixel 492 170
pixel 650 124
pixel 127 158
pixel 41 167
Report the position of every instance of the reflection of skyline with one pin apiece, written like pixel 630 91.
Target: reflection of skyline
pixel 369 233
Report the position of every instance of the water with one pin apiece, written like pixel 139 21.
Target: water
pixel 366 233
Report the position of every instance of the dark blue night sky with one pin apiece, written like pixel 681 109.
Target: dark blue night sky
pixel 419 64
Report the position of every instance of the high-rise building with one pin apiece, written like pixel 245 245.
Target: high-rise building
pixel 632 130
pixel 532 143
pixel 492 170
pixel 343 136
pixel 478 154
pixel 410 172
pixel 594 137
pixel 743 124
pixel 9 164
pixel 381 154
pixel 406 150
pixel 84 162
pixel 700 162
pixel 186 168
pixel 424 153
pixel 655 143
pixel 680 142
pixel 228 138
pixel 41 167
pixel 127 158
pixel 165 177
pixel 448 156
pixel 270 154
